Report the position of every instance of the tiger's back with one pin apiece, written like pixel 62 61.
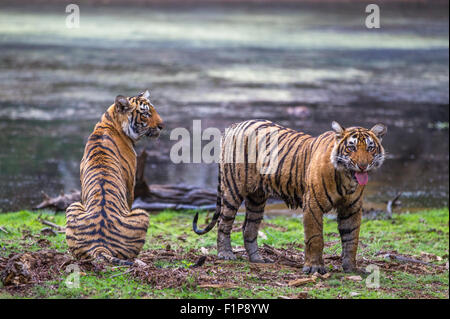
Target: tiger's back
pixel 103 222
pixel 266 158
pixel 260 159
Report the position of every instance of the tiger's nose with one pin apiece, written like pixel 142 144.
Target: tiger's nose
pixel 161 126
pixel 362 167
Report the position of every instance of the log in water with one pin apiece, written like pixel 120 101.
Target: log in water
pixel 149 197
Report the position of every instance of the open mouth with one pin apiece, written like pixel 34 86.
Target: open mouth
pixel 361 177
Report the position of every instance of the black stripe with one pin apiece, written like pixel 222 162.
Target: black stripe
pixel 254 220
pixel 310 238
pixel 326 192
pixel 357 199
pixel 227 218
pixel 312 213
pixel 250 240
pixel 108 117
pixel 350 215
pixel 317 201
pixel 229 205
pixel 337 181
pixel 346 231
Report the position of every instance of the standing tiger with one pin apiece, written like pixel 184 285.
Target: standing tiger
pixel 103 224
pixel 314 173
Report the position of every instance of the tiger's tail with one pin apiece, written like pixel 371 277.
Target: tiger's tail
pixel 115 260
pixel 210 225
pixel 102 253
pixel 216 214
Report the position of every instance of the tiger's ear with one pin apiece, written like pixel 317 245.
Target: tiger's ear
pixel 122 104
pixel 145 94
pixel 379 130
pixel 338 129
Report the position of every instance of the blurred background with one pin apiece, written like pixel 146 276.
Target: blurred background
pixel 301 64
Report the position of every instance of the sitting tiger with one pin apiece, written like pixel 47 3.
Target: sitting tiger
pixel 103 225
pixel 314 173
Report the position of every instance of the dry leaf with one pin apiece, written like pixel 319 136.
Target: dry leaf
pixel 354 278
pixel 427 257
pixel 319 285
pixel 204 251
pixel 324 276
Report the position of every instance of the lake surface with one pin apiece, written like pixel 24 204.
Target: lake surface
pixel 302 66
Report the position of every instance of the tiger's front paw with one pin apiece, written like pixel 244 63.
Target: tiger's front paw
pixel 314 268
pixel 226 255
pixel 349 266
pixel 256 258
pixel 356 270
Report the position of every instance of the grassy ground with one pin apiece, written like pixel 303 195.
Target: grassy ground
pixel 171 250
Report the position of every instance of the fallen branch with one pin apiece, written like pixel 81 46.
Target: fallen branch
pixel 139 203
pixel 59 203
pixel 282 258
pixel 149 197
pixel 278 253
pixel 122 273
pixel 301 281
pixel 3 230
pixel 407 259
pixel 59 228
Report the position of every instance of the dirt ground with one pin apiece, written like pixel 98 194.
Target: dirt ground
pixel 168 268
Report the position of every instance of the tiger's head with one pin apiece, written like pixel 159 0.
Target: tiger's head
pixel 137 116
pixel 358 150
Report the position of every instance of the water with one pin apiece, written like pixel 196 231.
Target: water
pixel 299 65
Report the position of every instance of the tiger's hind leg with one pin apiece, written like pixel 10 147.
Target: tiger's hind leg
pixel 135 227
pixel 313 228
pixel 254 205
pixel 229 210
pixel 75 214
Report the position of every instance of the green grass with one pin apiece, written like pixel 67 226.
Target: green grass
pixel 409 234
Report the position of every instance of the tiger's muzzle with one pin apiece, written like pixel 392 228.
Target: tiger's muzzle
pixel 154 132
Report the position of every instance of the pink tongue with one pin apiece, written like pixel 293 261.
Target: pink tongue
pixel 362 178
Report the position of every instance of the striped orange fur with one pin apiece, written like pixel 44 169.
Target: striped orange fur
pixel 317 174
pixel 103 224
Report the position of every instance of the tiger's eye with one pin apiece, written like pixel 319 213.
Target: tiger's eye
pixel 351 148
